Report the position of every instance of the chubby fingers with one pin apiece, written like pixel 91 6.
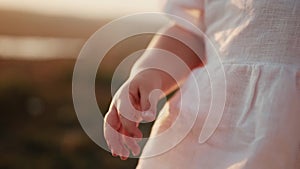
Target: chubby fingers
pixel 131 143
pixel 121 134
pixel 115 142
pixel 113 137
pixel 120 142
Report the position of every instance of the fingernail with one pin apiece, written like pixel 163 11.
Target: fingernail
pixel 123 158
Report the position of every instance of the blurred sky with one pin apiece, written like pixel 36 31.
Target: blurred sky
pixel 83 8
pixel 39 29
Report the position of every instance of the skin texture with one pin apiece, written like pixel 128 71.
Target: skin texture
pixel 135 101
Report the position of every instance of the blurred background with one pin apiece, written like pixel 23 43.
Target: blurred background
pixel 39 43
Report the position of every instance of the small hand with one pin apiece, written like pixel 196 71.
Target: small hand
pixel 130 105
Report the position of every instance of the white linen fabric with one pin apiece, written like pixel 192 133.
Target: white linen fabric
pixel 259 45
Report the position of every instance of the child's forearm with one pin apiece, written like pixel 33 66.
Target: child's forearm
pixel 186 58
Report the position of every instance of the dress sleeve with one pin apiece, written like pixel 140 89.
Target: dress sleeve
pixel 190 10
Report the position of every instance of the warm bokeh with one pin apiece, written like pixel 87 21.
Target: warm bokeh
pixel 39 43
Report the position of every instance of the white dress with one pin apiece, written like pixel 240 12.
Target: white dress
pixel 259 45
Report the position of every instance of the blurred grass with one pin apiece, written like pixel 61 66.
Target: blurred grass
pixel 38 125
pixel 48 134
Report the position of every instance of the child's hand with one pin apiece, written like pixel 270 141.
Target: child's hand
pixel 132 103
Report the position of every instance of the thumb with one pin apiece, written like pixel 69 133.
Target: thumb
pixel 148 103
